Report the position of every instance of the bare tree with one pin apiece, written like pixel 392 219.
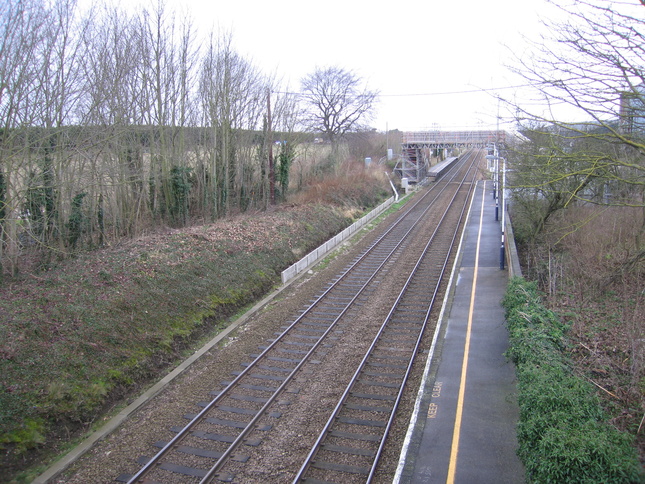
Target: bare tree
pixel 22 28
pixel 286 119
pixel 233 99
pixel 115 106
pixel 336 102
pixel 112 120
pixel 167 70
pixel 587 144
pixel 58 96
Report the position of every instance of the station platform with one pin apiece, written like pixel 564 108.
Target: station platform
pixel 435 172
pixel 463 427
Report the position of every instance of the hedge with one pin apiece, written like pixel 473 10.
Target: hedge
pixel 562 431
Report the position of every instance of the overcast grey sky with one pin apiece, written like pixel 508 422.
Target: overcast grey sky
pixel 416 53
pixel 434 62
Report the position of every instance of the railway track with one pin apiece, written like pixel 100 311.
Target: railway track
pixel 217 441
pixel 353 438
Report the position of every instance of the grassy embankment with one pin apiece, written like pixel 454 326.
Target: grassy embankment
pixel 77 339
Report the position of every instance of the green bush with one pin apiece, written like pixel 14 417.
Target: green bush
pixel 579 450
pixel 562 431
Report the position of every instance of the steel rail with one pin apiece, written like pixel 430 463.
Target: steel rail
pixel 361 367
pixel 222 460
pixel 155 460
pixel 343 399
pixel 198 418
pixel 418 343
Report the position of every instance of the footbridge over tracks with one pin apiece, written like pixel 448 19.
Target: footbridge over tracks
pixel 421 149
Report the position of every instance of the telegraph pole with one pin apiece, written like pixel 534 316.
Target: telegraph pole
pixel 270 142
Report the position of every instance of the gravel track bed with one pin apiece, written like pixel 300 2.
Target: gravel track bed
pixel 303 414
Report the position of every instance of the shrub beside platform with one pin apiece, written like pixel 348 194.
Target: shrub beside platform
pixel 563 432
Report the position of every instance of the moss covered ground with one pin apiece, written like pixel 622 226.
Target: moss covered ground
pixel 90 331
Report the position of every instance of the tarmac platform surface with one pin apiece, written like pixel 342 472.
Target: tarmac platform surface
pixel 463 430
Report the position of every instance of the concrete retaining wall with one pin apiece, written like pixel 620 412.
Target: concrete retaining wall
pixel 315 255
pixel 513 261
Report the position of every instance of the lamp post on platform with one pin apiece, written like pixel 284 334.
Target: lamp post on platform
pixel 502 251
pixel 495 160
pixel 497 190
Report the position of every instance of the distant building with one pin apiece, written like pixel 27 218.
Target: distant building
pixel 632 110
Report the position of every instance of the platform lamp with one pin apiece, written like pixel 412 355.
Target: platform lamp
pixel 495 181
pixel 502 252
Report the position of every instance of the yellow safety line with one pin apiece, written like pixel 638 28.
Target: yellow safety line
pixel 464 367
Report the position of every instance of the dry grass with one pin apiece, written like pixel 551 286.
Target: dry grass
pixel 353 187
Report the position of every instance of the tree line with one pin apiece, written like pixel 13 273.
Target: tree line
pixel 592 68
pixel 113 122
